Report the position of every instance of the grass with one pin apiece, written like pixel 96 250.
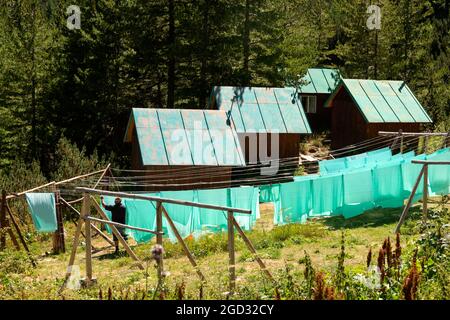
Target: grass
pixel 278 246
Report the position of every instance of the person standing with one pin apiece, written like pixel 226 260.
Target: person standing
pixel 118 214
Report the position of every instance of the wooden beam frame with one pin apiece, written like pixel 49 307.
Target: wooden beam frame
pixel 424 173
pixel 118 235
pixel 101 233
pixel 160 211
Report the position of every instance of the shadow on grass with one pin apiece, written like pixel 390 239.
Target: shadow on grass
pixel 112 255
pixel 372 218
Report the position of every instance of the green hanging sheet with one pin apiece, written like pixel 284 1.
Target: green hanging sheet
pixel 295 202
pixel 410 172
pixel 358 192
pixel 388 184
pixel 356 161
pixel 439 175
pixel 327 195
pixel 332 166
pixel 43 211
pixel 141 214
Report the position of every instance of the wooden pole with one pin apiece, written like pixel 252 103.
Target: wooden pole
pixel 87 231
pixel 409 203
pixel 76 239
pixel 425 191
pixel 400 132
pixel 103 174
pixel 183 244
pixel 425 145
pixel 3 222
pixel 159 238
pixel 118 235
pixel 104 236
pixel 231 253
pixel 16 195
pixel 164 200
pixel 253 250
pixel 19 233
pixel 60 245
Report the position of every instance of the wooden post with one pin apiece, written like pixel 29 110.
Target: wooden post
pixel 231 253
pixel 425 191
pixel 104 236
pixel 87 231
pixel 159 237
pixel 409 203
pixel 425 145
pixel 76 239
pixel 3 222
pixel 183 244
pixel 58 237
pixel 118 235
pixel 252 250
pixel 400 132
pixel 21 238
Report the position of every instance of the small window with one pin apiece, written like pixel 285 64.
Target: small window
pixel 309 104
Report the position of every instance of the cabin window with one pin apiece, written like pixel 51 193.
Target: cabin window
pixel 309 104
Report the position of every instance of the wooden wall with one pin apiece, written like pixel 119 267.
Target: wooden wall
pixel 348 125
pixel 321 120
pixel 288 148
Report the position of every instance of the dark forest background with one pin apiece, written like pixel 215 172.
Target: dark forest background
pixel 82 84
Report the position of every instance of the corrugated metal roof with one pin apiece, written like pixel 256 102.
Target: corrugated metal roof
pixel 185 137
pixel 383 101
pixel 256 109
pixel 320 80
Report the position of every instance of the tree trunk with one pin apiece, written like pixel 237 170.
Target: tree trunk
pixel 204 57
pixel 171 57
pixel 246 44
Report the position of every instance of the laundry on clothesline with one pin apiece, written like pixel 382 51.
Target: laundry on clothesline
pixel 43 211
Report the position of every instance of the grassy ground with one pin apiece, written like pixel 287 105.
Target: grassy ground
pixel 278 246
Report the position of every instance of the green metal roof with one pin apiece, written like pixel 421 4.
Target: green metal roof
pixel 383 101
pixel 185 137
pixel 262 109
pixel 320 80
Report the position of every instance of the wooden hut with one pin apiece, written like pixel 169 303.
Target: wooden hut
pixel 182 149
pixel 362 108
pixel 318 85
pixel 269 123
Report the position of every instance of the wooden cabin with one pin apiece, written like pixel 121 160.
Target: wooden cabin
pixel 319 84
pixel 182 149
pixel 269 122
pixel 362 108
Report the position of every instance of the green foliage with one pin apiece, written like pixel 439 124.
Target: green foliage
pixel 71 161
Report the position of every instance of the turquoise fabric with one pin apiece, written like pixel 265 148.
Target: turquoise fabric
pixel 356 162
pixel 185 218
pixel 295 202
pixel 380 156
pixel 439 175
pixel 142 214
pixel 410 172
pixel 246 198
pixel 327 195
pixel 43 211
pixel 330 166
pixel 388 185
pixel 265 193
pixel 358 193
pixel 190 220
pixel 213 220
